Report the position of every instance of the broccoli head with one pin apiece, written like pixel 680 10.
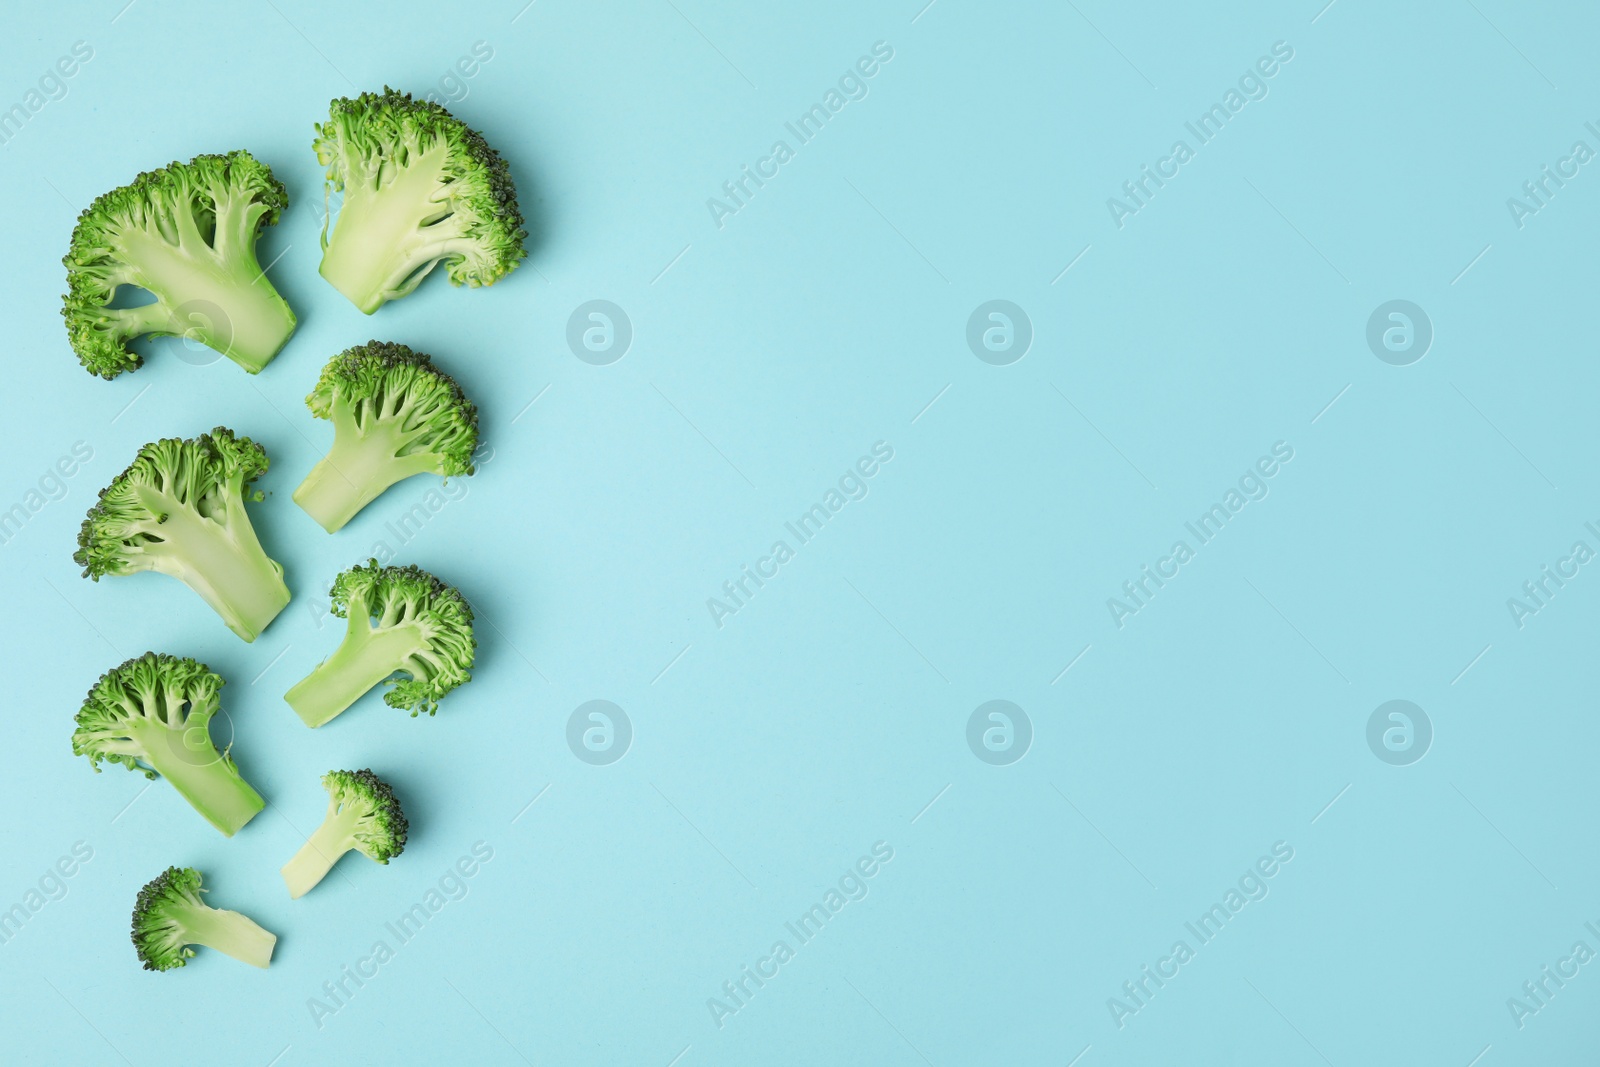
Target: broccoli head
pixel 401 620
pixel 179 509
pixel 153 714
pixel 363 815
pixel 169 916
pixel 420 188
pixel 187 235
pixel 394 414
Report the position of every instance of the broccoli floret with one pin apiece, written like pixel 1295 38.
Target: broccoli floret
pixel 363 814
pixel 401 619
pixel 169 916
pixel 179 509
pixel 420 188
pixel 187 234
pixel 153 714
pixel 394 414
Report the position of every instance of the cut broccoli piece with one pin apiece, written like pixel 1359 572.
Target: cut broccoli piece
pixel 363 814
pixel 153 714
pixel 169 916
pixel 187 234
pixel 394 414
pixel 179 509
pixel 401 619
pixel 420 188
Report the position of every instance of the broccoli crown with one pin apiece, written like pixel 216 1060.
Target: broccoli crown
pixel 384 381
pixel 160 935
pixel 153 689
pixel 396 596
pixel 380 826
pixel 221 201
pixel 206 475
pixel 367 140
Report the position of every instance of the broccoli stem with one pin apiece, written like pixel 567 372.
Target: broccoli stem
pixel 382 234
pixel 228 932
pixel 224 302
pixel 137 321
pixel 226 565
pixel 363 659
pixel 322 850
pixel 201 775
pixel 355 472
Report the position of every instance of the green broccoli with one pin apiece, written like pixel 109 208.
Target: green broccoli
pixel 153 714
pixel 420 187
pixel 179 509
pixel 169 916
pixel 401 619
pixel 394 414
pixel 187 234
pixel 363 814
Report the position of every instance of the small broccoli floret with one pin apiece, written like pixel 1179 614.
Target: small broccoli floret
pixel 169 916
pixel 187 234
pixel 401 620
pixel 179 509
pixel 420 188
pixel 363 814
pixel 153 714
pixel 394 414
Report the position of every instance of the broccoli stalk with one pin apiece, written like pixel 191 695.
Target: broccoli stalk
pixel 401 619
pixel 363 815
pixel 153 714
pixel 179 509
pixel 365 657
pixel 187 234
pixel 420 188
pixel 394 415
pixel 212 786
pixel 357 470
pixel 169 916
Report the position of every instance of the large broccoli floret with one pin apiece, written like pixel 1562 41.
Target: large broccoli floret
pixel 179 509
pixel 401 620
pixel 169 916
pixel 394 414
pixel 420 188
pixel 153 714
pixel 187 234
pixel 363 815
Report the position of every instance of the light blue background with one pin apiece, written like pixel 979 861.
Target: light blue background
pixel 826 715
